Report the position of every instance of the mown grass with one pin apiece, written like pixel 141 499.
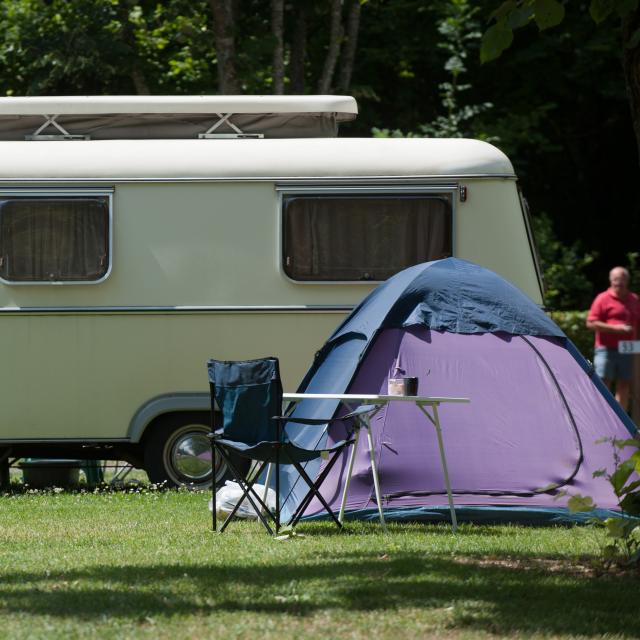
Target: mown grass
pixel 122 565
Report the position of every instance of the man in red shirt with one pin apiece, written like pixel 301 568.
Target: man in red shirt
pixel 614 316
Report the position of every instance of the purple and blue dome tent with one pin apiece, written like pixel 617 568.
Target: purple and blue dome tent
pixel 537 408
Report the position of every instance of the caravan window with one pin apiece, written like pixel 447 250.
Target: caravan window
pixel 51 238
pixel 363 237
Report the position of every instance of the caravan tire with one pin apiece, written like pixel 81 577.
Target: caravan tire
pixel 177 452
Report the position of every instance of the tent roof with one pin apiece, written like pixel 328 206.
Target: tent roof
pixel 449 295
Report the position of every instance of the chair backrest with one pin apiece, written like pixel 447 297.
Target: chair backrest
pixel 249 394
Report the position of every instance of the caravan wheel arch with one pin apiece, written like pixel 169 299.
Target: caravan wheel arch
pixel 173 432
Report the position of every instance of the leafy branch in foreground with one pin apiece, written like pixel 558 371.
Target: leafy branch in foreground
pixel 545 14
pixel 515 14
pixel 623 532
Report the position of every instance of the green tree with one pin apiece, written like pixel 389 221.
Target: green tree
pixel 104 46
pixel 515 14
pixel 459 33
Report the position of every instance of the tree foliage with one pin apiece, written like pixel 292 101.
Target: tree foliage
pixel 459 33
pixel 559 100
pixel 177 46
pixel 515 14
pixel 567 286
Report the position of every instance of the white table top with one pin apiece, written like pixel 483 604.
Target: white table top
pixel 373 398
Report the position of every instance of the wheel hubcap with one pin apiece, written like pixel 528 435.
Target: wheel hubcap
pixel 191 456
pixel 188 456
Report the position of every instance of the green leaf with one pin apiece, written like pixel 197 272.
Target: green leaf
pixel 631 504
pixel 580 503
pixel 615 527
pixel 548 13
pixel 629 442
pixel 520 16
pixel 620 476
pixel 503 11
pixel 599 473
pixel 495 40
pixel 620 528
pixel 636 456
pixel 634 558
pixel 610 551
pixel 631 487
pixel 600 10
pixel 623 7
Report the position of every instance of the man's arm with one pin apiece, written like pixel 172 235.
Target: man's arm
pixel 598 325
pixel 595 324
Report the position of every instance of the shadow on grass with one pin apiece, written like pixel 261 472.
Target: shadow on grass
pixel 475 596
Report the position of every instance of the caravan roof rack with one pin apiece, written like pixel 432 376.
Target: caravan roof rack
pixel 174 117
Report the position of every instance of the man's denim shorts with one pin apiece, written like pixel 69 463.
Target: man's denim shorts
pixel 612 365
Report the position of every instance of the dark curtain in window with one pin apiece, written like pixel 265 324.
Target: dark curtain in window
pixel 53 239
pixel 363 238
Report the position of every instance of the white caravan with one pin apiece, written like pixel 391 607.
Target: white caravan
pixel 140 236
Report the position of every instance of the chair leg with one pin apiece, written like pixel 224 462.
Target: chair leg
pixel 317 493
pixel 214 486
pixel 277 491
pixel 247 492
pixel 304 503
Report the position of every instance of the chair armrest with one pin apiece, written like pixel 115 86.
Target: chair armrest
pixel 307 421
pixel 362 410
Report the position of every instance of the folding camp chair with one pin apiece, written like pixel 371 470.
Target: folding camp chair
pixel 249 396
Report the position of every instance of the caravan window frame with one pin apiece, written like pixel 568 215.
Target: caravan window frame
pixel 55 193
pixel 285 190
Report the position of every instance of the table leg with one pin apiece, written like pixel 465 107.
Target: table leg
pixel 445 471
pixel 345 491
pixel 374 469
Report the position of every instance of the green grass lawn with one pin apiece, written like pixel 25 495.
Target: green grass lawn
pixel 121 565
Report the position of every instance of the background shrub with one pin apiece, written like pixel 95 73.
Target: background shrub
pixel 573 324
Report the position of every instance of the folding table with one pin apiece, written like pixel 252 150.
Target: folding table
pixel 379 401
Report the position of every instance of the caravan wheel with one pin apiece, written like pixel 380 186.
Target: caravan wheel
pixel 178 453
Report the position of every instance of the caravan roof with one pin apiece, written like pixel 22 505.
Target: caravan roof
pixel 135 117
pixel 344 107
pixel 125 160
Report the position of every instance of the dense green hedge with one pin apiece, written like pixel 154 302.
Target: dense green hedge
pixel 573 324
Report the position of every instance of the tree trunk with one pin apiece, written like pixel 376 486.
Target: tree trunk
pixel 335 36
pixel 349 52
pixel 299 50
pixel 128 37
pixel 277 29
pixel 631 65
pixel 139 81
pixel 223 24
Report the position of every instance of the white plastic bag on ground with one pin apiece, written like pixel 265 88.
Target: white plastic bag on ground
pixel 227 497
